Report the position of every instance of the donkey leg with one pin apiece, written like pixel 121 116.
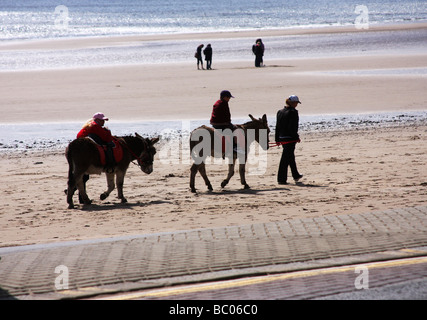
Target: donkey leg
pixel 120 178
pixel 110 184
pixel 230 174
pixel 85 179
pixel 70 191
pixel 71 184
pixel 242 169
pixel 202 170
pixel 193 171
pixel 82 189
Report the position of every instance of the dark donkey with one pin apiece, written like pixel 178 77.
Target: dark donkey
pixel 84 159
pixel 215 149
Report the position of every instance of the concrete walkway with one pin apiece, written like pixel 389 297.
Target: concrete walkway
pixel 148 261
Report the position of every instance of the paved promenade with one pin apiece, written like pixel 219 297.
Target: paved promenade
pixel 154 260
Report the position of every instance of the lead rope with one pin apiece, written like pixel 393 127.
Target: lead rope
pixel 276 144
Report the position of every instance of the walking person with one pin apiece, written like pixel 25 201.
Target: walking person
pixel 208 56
pixel 199 57
pixel 287 133
pixel 258 51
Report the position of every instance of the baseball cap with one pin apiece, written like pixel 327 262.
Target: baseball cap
pixel 294 98
pixel 226 93
pixel 100 116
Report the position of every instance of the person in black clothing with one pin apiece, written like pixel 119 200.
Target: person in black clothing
pixel 258 50
pixel 287 131
pixel 208 56
pixel 199 57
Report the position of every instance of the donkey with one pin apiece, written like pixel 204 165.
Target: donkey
pixel 249 132
pixel 83 159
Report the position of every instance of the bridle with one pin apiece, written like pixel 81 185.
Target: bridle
pixel 138 158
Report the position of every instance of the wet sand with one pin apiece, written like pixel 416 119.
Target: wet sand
pixel 344 172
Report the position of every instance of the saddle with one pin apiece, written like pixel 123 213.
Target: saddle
pixel 226 140
pixel 110 154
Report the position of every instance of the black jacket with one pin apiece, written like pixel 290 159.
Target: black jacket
pixel 208 53
pixel 258 50
pixel 287 124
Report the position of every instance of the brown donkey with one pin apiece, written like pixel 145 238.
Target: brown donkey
pixel 206 141
pixel 84 159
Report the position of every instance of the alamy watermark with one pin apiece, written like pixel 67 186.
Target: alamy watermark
pixel 62 17
pixel 362 20
pixel 362 280
pixel 61 281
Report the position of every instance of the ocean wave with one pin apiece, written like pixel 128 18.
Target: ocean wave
pixel 35 19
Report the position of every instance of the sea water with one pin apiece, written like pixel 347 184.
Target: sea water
pixel 35 19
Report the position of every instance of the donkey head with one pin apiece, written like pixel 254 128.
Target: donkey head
pixel 146 158
pixel 262 131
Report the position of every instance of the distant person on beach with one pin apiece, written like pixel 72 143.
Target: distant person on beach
pixel 208 56
pixel 199 57
pixel 287 134
pixel 258 51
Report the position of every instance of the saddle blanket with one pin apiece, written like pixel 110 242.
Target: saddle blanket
pixel 102 149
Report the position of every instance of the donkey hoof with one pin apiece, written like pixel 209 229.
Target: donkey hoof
pixel 246 186
pixel 103 196
pixel 210 188
pixel 224 183
pixel 124 200
pixel 193 190
pixel 70 206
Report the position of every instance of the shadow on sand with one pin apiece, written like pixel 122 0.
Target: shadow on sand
pixel 107 206
pixel 256 191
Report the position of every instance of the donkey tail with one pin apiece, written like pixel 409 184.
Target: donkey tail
pixel 68 155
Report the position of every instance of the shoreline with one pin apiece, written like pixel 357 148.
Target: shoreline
pixel 120 40
pixel 322 117
pixel 176 130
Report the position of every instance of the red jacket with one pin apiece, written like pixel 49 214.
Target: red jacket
pixel 221 113
pixel 96 129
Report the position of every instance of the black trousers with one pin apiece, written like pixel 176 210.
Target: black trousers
pixel 287 160
pixel 258 61
pixel 199 60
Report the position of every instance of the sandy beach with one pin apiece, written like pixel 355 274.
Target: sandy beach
pixel 351 171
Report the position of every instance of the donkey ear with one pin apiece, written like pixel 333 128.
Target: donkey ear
pixel 155 140
pixel 252 118
pixel 264 118
pixel 137 135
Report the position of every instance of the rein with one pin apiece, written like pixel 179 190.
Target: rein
pixel 277 144
pixel 140 162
